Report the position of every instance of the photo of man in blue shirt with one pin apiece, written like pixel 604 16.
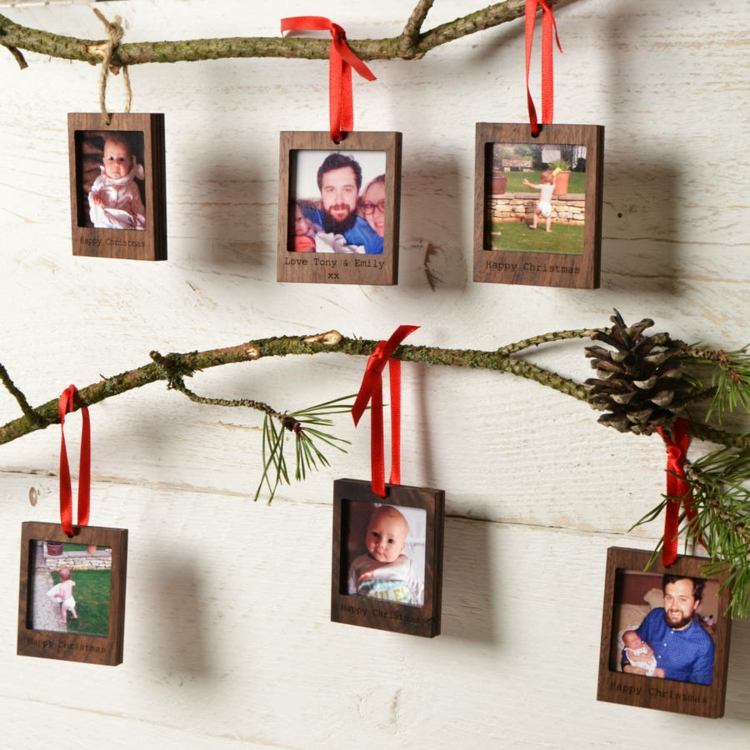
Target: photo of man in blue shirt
pixel 684 650
pixel 339 181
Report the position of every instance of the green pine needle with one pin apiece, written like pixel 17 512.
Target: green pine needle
pixel 729 377
pixel 309 442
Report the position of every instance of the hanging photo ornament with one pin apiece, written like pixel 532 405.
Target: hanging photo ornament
pixel 665 634
pixel 387 552
pixel 71 602
pixel 538 189
pixel 117 175
pixel 339 191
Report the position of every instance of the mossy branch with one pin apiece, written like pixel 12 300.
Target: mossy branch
pixel 173 367
pixel 411 44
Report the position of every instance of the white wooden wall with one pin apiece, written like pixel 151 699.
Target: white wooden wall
pixel 228 642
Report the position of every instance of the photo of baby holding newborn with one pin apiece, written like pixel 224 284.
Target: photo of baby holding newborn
pixel 111 172
pixel 392 566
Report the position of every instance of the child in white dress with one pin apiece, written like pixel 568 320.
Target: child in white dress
pixel 114 199
pixel 62 595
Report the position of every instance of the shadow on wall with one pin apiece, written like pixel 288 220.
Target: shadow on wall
pixel 179 628
pixel 641 230
pixel 469 590
pixel 431 253
pixel 738 677
pixel 640 238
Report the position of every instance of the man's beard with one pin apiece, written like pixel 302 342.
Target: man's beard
pixel 682 623
pixel 338 227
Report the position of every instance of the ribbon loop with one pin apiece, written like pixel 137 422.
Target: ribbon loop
pixel 549 28
pixel 678 489
pixel 66 404
pixel 341 61
pixel 371 392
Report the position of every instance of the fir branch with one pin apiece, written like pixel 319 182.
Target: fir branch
pixel 411 44
pixel 721 497
pixel 728 373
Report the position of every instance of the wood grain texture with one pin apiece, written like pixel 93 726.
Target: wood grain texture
pixel 149 243
pixel 374 613
pixel 540 269
pixel 229 642
pixel 338 268
pixel 70 646
pixel 648 692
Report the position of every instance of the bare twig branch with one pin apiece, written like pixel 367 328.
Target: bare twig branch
pixel 410 44
pixel 411 32
pixel 174 367
pixel 14 391
pixel 18 55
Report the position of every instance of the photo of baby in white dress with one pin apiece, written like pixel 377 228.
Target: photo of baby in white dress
pixel 111 180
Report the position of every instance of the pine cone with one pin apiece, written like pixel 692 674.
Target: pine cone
pixel 639 385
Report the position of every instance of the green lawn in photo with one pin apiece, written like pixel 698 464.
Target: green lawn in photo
pixel 576 184
pixel 91 593
pixel 516 236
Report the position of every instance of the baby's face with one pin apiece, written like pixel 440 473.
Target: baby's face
pixel 117 160
pixel 386 536
pixel 301 224
pixel 631 640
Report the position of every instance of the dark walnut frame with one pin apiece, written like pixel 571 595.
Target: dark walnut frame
pixel 542 269
pixel 653 692
pixel 133 244
pixel 339 268
pixel 374 613
pixel 93 649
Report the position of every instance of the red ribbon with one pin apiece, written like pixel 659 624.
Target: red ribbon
pixel 371 390
pixel 342 60
pixel 67 404
pixel 678 488
pixel 548 76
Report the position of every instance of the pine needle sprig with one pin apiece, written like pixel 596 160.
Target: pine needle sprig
pixel 720 482
pixel 728 373
pixel 311 434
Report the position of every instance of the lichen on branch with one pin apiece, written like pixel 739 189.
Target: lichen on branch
pixel 411 44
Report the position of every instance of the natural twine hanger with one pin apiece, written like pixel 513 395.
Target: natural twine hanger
pixel 116 32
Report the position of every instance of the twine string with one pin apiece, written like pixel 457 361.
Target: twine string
pixel 116 32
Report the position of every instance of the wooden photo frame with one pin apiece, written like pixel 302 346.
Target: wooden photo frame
pixel 339 208
pixel 564 207
pixel 93 563
pixel 118 205
pixel 662 646
pixel 369 588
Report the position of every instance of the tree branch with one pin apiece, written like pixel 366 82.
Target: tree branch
pixel 14 391
pixel 411 32
pixel 410 44
pixel 172 368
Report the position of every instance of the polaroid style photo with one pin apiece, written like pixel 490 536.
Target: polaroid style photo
pixel 339 208
pixel 118 187
pixel 665 635
pixel 71 603
pixel 387 557
pixel 538 204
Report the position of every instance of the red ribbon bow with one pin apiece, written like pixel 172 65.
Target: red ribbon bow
pixel 342 60
pixel 371 389
pixel 65 405
pixel 548 76
pixel 678 488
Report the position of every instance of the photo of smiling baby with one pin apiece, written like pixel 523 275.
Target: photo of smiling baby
pixel 112 177
pixel 392 566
